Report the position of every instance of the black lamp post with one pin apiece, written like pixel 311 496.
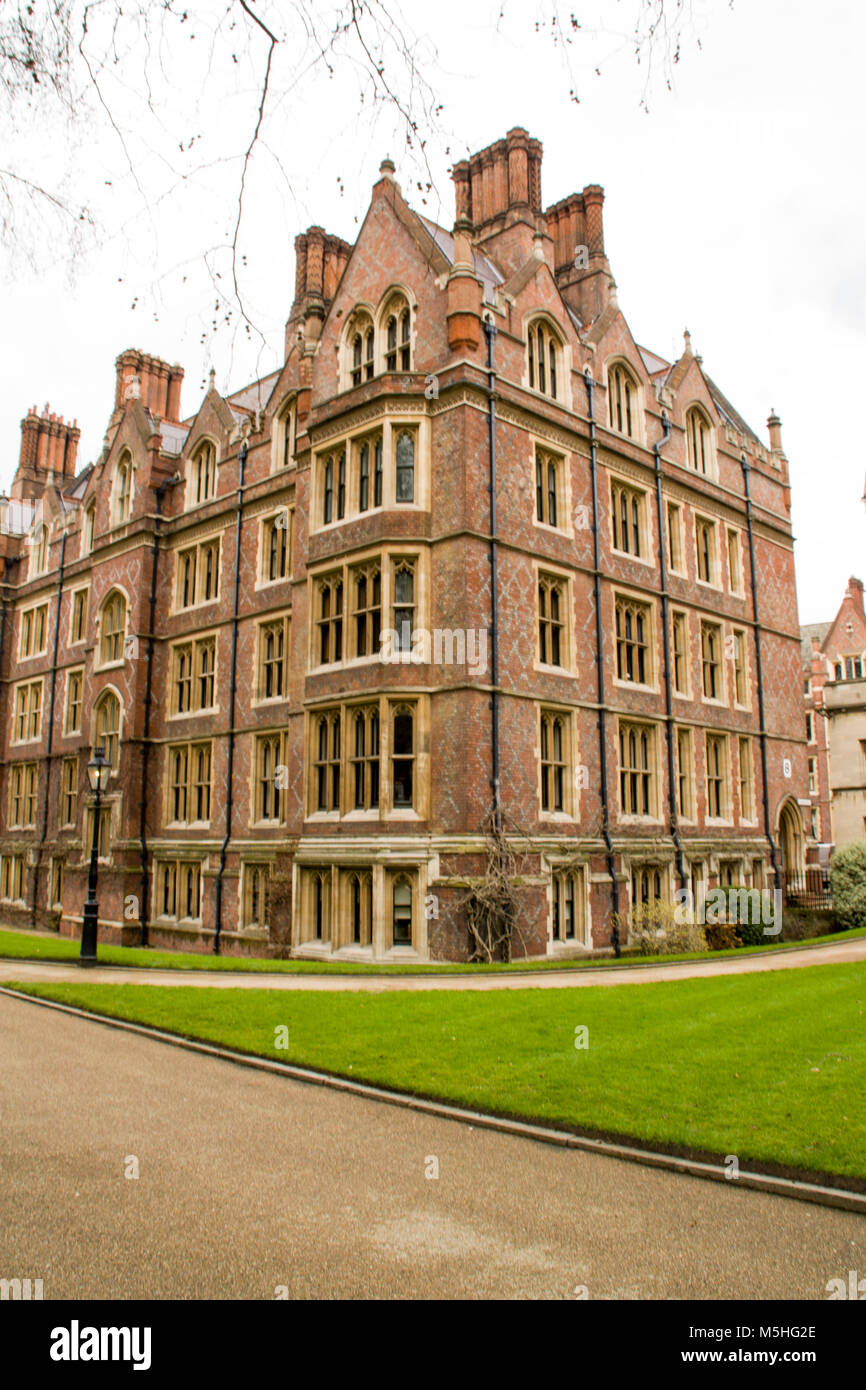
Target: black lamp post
pixel 98 770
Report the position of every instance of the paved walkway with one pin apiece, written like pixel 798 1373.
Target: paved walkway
pixel 838 953
pixel 247 1182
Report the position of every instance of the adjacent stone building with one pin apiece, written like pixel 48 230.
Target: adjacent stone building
pixel 472 556
pixel 834 697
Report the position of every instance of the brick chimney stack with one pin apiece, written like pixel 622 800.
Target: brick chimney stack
pixel 855 593
pixel 582 269
pixel 498 196
pixel 320 260
pixel 158 383
pixel 49 445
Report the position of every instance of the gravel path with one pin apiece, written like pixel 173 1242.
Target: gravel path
pixel 250 1182
pixel 838 953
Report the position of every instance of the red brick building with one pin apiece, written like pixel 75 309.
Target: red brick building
pixel 834 701
pixel 471 547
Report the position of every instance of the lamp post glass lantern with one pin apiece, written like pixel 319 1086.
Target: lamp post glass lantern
pixel 98 772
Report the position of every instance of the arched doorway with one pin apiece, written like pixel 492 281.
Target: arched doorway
pixel 791 845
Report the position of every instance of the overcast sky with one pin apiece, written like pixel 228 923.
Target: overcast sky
pixel 734 208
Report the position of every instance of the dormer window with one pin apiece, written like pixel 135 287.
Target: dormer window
pixel 622 401
pixel 363 355
pixel 122 490
pixel 542 351
pixel 397 328
pixel 359 349
pixel 699 440
pixel 203 474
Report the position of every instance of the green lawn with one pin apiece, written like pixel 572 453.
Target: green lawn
pixel 30 945
pixel 770 1067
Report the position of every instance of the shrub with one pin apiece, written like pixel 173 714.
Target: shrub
pixel 804 923
pixel 745 918
pixel 653 928
pixel 722 937
pixel 753 934
pixel 848 885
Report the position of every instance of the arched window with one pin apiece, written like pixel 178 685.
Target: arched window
pixel 359 353
pixel 87 529
pixel 551 621
pixel 256 896
pixel 328 492
pixel 396 327
pixel 405 466
pixel 39 551
pixel 321 896
pixel 112 628
pixel 402 920
pixel 203 475
pixel 622 401
pixel 106 729
pixel 362 355
pixel 284 437
pixel 122 501
pixel 543 355
pixel 404 605
pixel 327 762
pixel 361 908
pixel 333 487
pixel 403 759
pixel 365 758
pixel 699 440
pixel 553 762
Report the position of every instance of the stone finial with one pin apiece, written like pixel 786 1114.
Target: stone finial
pixel 687 338
pixel 387 168
pixel 211 379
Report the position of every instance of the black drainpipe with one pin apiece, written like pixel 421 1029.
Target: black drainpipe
pixel 148 701
pixel 43 831
pixel 669 725
pixel 490 331
pixel 747 468
pixel 599 661
pixel 3 607
pixel 218 910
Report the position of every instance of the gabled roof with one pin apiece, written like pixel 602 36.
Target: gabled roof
pixel 486 271
pixel 653 363
pixel 605 320
pixel 807 632
pixel 525 275
pixel 727 411
pixel 79 485
pixel 173 437
pixel 257 394
pixel 424 233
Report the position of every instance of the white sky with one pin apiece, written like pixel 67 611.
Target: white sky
pixel 735 208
